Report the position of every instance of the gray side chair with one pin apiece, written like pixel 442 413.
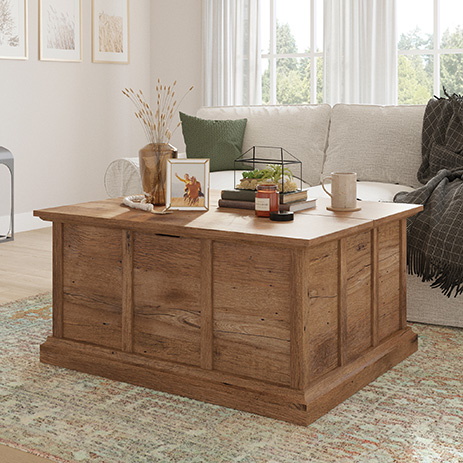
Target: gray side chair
pixel 6 158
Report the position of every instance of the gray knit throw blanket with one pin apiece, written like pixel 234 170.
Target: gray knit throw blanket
pixel 435 235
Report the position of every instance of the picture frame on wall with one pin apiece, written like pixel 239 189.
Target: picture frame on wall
pixel 187 186
pixel 110 31
pixel 13 29
pixel 60 30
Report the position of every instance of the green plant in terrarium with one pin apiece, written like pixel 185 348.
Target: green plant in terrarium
pixel 272 173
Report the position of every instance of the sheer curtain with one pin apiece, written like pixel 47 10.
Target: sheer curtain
pixel 231 52
pixel 360 51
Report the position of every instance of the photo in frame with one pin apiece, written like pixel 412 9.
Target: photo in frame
pixel 13 29
pixel 60 30
pixel 187 186
pixel 110 31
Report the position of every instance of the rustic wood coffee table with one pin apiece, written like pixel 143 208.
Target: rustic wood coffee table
pixel 281 319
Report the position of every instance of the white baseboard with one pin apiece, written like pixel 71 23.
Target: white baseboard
pixel 25 222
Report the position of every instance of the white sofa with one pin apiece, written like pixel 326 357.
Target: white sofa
pixel 381 143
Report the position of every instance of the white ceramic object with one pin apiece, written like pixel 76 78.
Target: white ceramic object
pixel 343 191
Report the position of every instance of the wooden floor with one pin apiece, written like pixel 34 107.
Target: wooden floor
pixel 25 270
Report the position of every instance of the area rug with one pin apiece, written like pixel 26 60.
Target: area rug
pixel 413 413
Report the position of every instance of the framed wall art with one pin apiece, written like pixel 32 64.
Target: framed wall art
pixel 187 184
pixel 110 31
pixel 60 30
pixel 13 29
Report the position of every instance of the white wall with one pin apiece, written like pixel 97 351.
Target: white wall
pixel 176 52
pixel 65 122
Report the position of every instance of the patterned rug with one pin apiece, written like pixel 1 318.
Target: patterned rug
pixel 413 413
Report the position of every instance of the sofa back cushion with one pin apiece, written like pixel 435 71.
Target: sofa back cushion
pixel 302 130
pixel 380 143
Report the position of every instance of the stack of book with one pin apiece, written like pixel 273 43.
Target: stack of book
pixel 244 199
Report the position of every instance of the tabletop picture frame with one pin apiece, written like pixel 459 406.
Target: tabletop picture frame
pixel 110 31
pixel 187 186
pixel 13 30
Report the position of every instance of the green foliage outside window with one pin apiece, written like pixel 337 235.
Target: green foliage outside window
pixel 415 72
pixel 451 66
pixel 292 74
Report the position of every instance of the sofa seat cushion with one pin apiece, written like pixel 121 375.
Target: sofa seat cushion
pixel 380 143
pixel 302 130
pixel 368 191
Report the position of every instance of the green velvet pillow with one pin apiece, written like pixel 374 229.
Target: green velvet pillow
pixel 220 141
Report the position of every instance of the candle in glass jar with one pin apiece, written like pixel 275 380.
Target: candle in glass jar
pixel 267 199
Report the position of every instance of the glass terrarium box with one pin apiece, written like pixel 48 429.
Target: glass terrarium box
pixel 268 164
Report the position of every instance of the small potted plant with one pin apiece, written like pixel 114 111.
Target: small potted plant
pixel 272 173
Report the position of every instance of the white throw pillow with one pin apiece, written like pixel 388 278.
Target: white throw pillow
pixel 302 130
pixel 380 143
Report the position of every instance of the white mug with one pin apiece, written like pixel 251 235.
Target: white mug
pixel 343 190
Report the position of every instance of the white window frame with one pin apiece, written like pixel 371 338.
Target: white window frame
pixel 273 56
pixel 436 52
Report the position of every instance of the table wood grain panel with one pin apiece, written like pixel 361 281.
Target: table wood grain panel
pixel 374 287
pixel 58 268
pixel 323 309
pixel 358 295
pixel 92 285
pixel 207 328
pixel 127 291
pixel 167 297
pixel 299 319
pixel 388 279
pixel 403 273
pixel 342 301
pixel 252 294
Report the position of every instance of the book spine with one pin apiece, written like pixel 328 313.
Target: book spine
pixel 301 205
pixel 236 204
pixel 293 197
pixel 250 195
pixel 250 205
pixel 239 195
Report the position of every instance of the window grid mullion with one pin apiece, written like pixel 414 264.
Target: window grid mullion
pixel 292 55
pixel 272 57
pixel 313 68
pixel 436 55
pixel 430 51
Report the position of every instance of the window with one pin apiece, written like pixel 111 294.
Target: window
pixel 292 51
pixel 430 49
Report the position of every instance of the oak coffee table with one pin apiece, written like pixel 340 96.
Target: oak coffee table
pixel 285 320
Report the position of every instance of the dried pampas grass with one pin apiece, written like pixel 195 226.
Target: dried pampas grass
pixel 157 125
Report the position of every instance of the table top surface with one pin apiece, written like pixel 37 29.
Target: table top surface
pixel 312 226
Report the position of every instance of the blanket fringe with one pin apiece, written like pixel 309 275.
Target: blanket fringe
pixel 446 276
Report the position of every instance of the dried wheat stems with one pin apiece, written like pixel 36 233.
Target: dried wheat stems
pixel 157 125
